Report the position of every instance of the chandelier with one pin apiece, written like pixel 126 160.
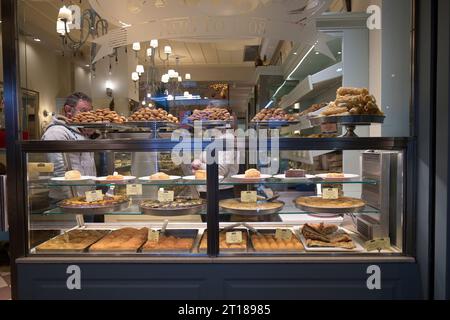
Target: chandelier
pixel 88 22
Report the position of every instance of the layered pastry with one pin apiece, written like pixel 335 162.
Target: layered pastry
pixel 75 240
pixel 160 176
pixel 72 175
pixel 237 205
pixel 268 242
pixel 223 245
pixel 126 239
pixel 335 176
pixel 295 173
pixel 80 202
pixel 169 243
pixel 153 114
pixel 326 235
pixel 252 174
pixel 178 203
pixel 320 203
pixel 200 175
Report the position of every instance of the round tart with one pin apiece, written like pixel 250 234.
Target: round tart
pixel 320 203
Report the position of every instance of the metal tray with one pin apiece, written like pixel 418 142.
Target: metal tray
pixel 96 125
pixel 178 233
pixel 331 211
pixel 150 124
pixel 172 212
pixel 94 210
pixel 272 232
pixel 349 120
pixel 273 124
pixel 223 250
pixel 67 251
pixel 254 212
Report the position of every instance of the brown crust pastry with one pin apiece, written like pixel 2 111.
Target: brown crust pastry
pixel 75 240
pixel 236 204
pixel 353 101
pixel 178 203
pixel 319 244
pixel 152 114
pixel 168 243
pixel 326 235
pixel 274 114
pixel 211 114
pixel 223 242
pixel 126 239
pixel 268 242
pixel 312 109
pixel 320 203
pixel 99 116
pixel 80 202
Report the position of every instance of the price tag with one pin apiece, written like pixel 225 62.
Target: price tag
pixel 165 196
pixel 66 237
pixel 153 235
pixel 41 167
pixel 134 189
pixel 249 197
pixel 330 193
pixel 328 127
pixel 92 196
pixel 378 244
pixel 234 237
pixel 283 234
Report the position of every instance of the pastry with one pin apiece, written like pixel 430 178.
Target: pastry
pixel 80 202
pixel 274 114
pixel 99 116
pixel 268 242
pixel 236 204
pixel 72 175
pixel 326 235
pixel 252 174
pixel 319 244
pixel 313 108
pixel 169 243
pixel 295 173
pixel 223 245
pixel 126 239
pixel 75 240
pixel 345 91
pixel 200 175
pixel 153 114
pixel 211 114
pixel 335 176
pixel 115 178
pixel 178 203
pixel 320 203
pixel 353 101
pixel 160 176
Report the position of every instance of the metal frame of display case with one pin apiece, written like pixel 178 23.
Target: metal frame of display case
pixel 24 267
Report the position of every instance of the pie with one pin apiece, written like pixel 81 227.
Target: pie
pixel 252 174
pixel 75 240
pixel 320 203
pixel 160 176
pixel 236 204
pixel 72 175
pixel 80 202
pixel 168 243
pixel 126 239
pixel 223 245
pixel 326 236
pixel 268 242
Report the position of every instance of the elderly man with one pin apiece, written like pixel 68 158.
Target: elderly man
pixel 59 130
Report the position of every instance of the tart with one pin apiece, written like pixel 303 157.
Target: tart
pixel 178 203
pixel 320 203
pixel 236 204
pixel 80 202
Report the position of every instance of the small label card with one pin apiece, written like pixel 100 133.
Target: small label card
pixel 166 196
pixel 249 196
pixel 330 193
pixel 234 237
pixel 134 189
pixel 378 244
pixel 92 196
pixel 283 234
pixel 41 167
pixel 153 235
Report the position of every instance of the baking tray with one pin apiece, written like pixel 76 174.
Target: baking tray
pixel 272 232
pixel 96 210
pixel 172 212
pixel 359 247
pixel 68 251
pixel 222 250
pixel 333 211
pixel 178 233
pixel 348 120
pixel 253 212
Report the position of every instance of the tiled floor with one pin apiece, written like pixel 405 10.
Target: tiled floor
pixel 5 283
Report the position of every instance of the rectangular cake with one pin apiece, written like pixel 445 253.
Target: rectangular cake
pixel 295 173
pixel 122 240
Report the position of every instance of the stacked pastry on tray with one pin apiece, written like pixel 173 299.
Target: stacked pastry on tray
pixel 99 116
pixel 326 236
pixel 274 114
pixel 169 243
pixel 153 114
pixel 223 244
pixel 122 240
pixel 211 114
pixel 269 242
pixel 352 102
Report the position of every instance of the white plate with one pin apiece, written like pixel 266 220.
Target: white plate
pixel 171 178
pixel 125 178
pixel 283 177
pixel 346 177
pixel 359 247
pixel 242 177
pixel 192 178
pixel 63 179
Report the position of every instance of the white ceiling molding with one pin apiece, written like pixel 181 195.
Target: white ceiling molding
pixel 291 20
